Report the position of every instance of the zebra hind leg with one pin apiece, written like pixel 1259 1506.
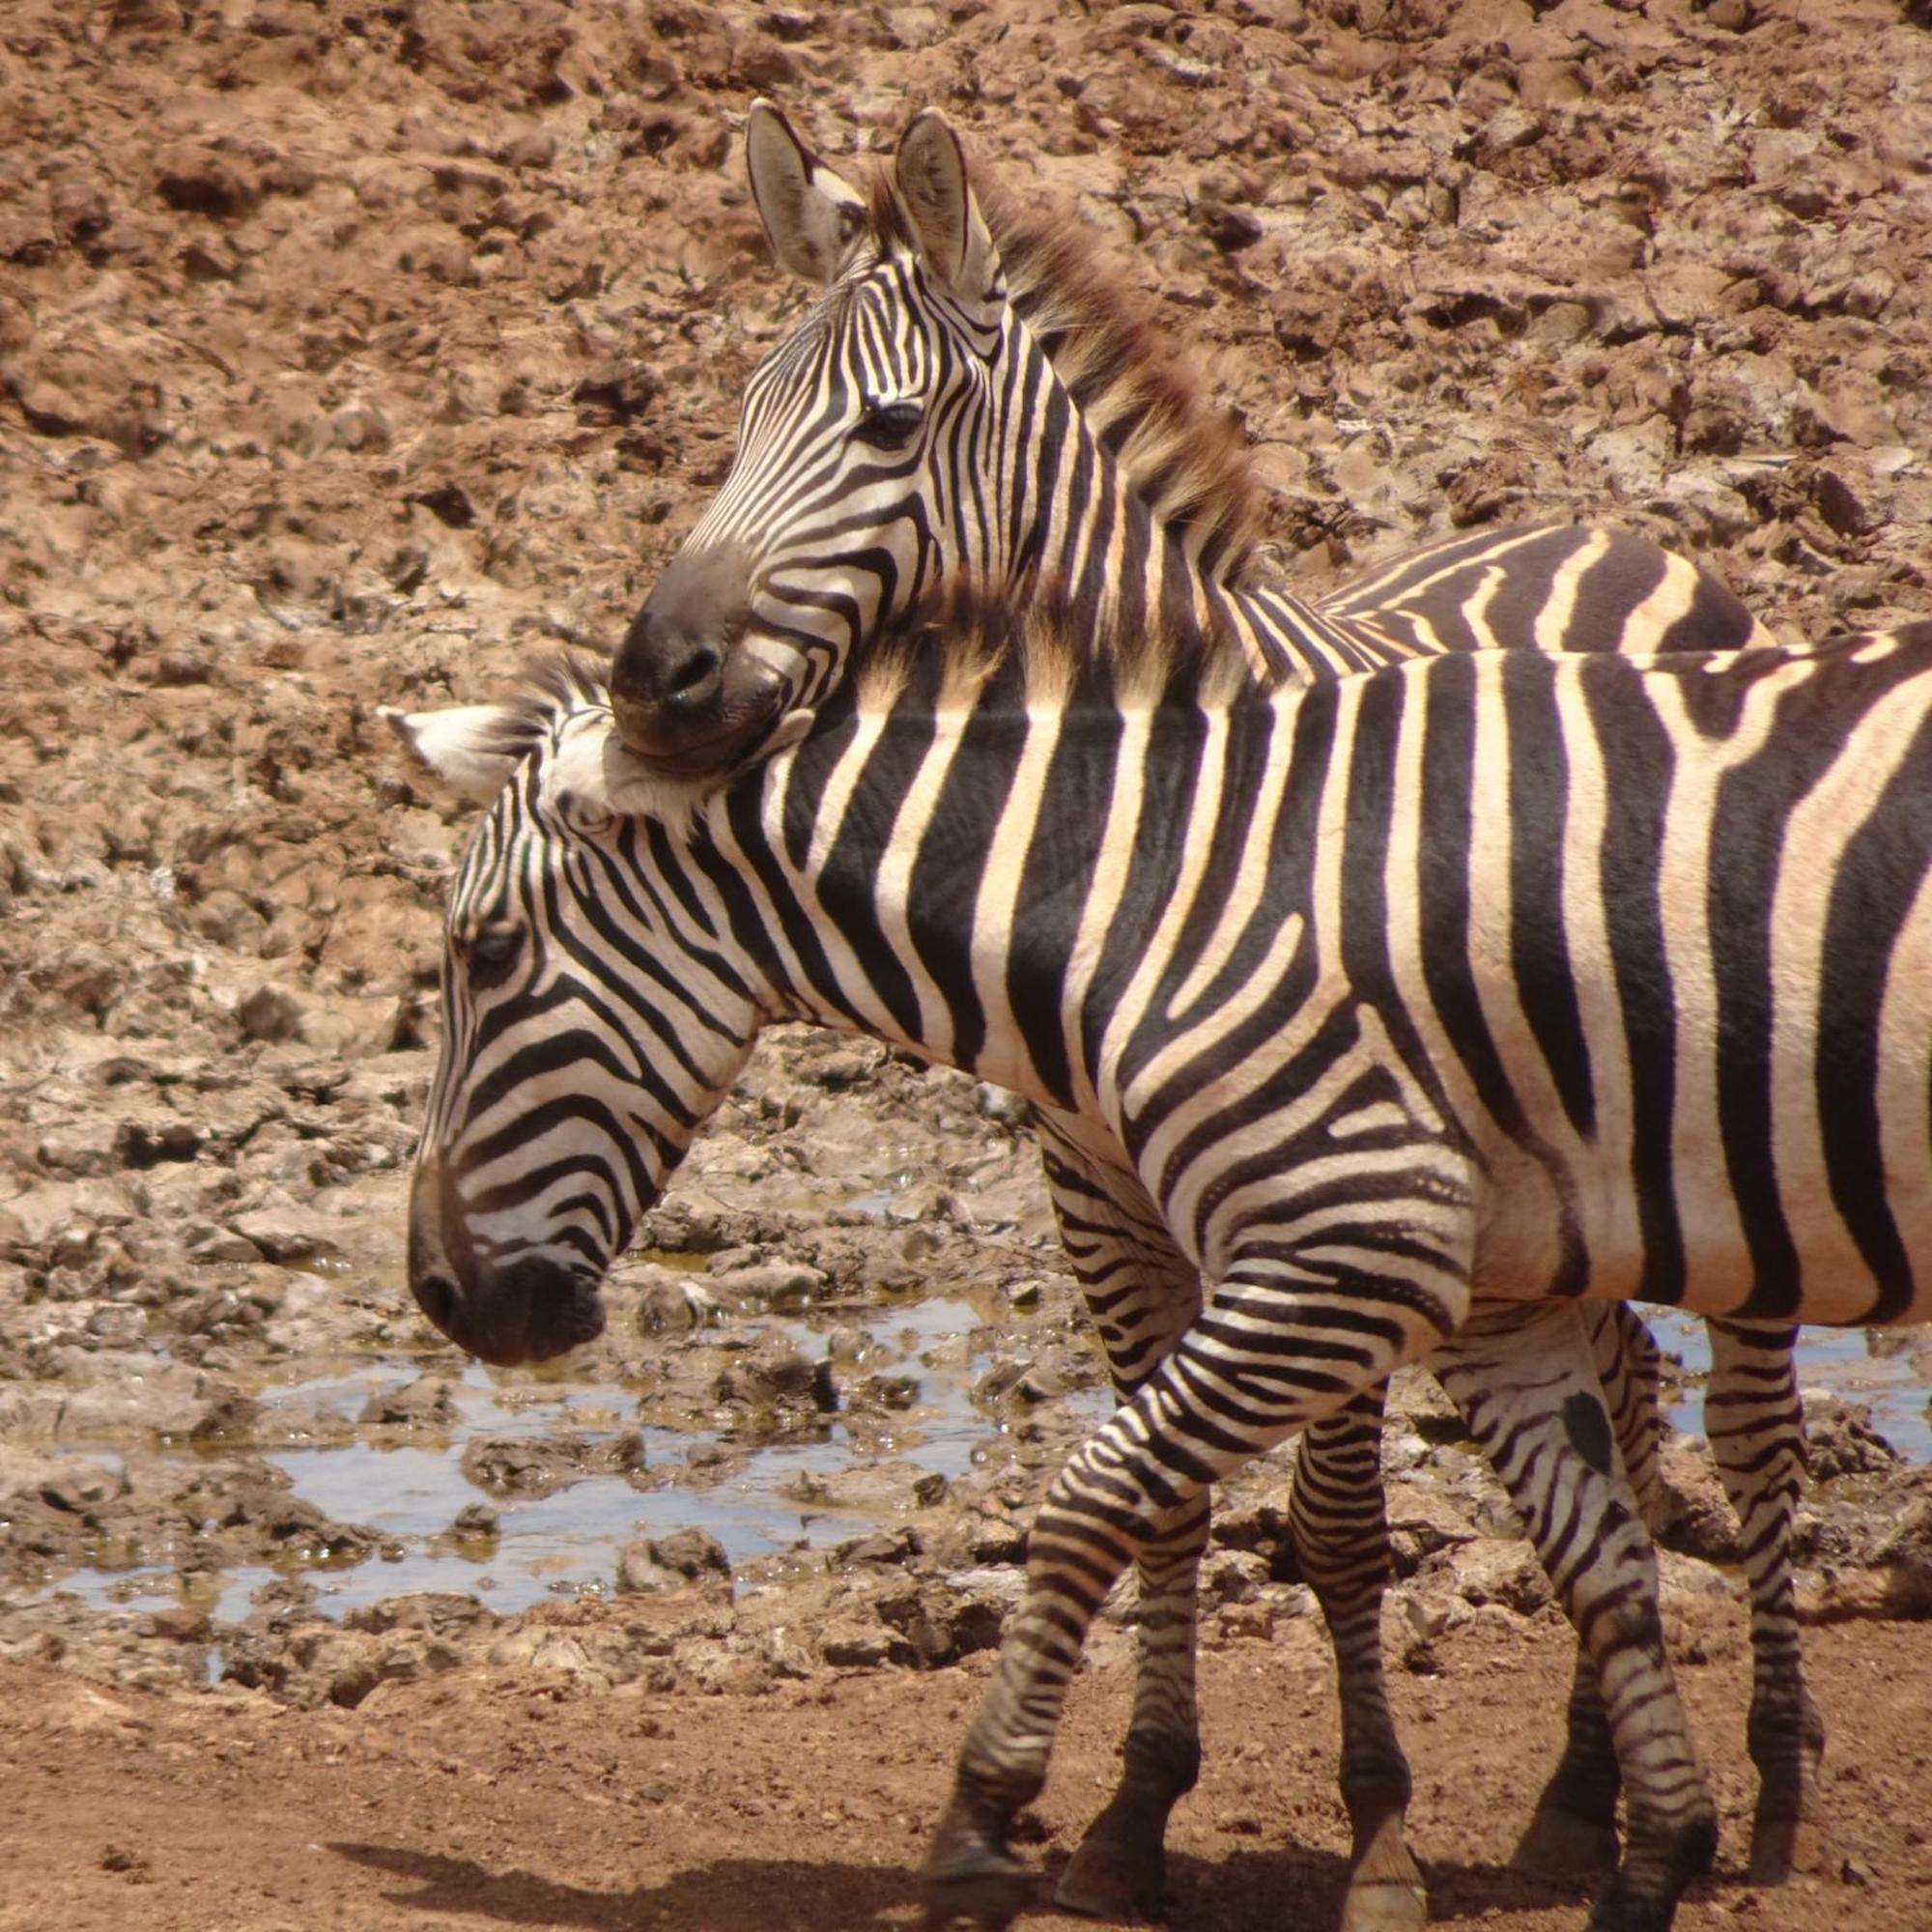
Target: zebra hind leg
pixel 1756 1426
pixel 1574 1827
pixel 1526 1384
pixel 1341 1538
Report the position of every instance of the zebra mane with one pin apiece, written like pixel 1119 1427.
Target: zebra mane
pixel 558 684
pixel 1187 456
pixel 959 641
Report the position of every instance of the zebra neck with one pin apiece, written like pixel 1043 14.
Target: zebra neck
pixel 1101 543
pixel 968 881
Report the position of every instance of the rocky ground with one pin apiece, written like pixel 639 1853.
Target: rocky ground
pixel 350 353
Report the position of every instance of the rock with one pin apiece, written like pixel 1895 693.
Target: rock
pixel 536 1466
pixel 427 1403
pixel 882 1547
pixel 68 1483
pixel 1696 1516
pixel 145 1144
pixel 1233 1576
pixel 199 181
pixel 775 1374
pixel 1840 1441
pixel 669 1301
pixel 1492 1570
pixel 671 1562
pixel 1421 1523
pixel 770 1285
pixel 285 1236
pixel 850 1644
pixel 271 1012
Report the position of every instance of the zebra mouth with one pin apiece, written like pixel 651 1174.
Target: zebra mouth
pixel 711 756
pixel 531 1312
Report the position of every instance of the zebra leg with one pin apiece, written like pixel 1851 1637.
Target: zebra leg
pixel 1756 1426
pixel 1142 1296
pixel 1526 1386
pixel 1574 1827
pixel 1282 1342
pixel 1341 1536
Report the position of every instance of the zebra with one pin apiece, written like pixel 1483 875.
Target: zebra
pixel 1384 1117
pixel 972 398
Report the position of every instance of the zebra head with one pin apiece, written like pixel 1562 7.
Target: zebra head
pixel 841 506
pixel 591 1020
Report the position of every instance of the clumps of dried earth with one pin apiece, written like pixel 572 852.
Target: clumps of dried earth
pixel 350 354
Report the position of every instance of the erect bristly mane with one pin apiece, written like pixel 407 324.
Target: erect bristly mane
pixel 1050 648
pixel 1187 458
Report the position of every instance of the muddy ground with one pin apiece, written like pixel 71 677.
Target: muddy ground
pixel 351 353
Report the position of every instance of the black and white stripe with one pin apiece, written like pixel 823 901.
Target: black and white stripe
pixel 1347 1116
pixel 968 399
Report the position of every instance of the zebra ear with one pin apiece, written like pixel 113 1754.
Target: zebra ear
pixel 463 745
pixel 938 194
pixel 814 220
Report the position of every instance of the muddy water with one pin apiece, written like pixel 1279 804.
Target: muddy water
pixel 766 1498
pixel 772 1501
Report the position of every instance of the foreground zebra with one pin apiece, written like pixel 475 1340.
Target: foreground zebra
pixel 1289 991
pixel 973 399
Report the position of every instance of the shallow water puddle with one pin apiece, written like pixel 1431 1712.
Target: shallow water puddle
pixel 1837 1361
pixel 757 1499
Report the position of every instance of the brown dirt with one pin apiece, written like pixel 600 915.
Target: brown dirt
pixel 473 1805
pixel 351 352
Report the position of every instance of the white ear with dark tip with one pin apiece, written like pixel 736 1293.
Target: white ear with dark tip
pixel 938 193
pixel 813 216
pixel 461 744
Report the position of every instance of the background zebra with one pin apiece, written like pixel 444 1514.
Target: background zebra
pixel 1342 1108
pixel 973 398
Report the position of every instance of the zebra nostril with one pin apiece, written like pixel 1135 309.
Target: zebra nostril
pixel 696 678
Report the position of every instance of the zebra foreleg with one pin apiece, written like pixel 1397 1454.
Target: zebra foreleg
pixel 1141 1295
pixel 1525 1381
pixel 1339 1522
pixel 1119 1868
pixel 1756 1426
pixel 1273 1350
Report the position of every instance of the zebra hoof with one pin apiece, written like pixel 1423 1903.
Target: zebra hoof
pixel 1781 1847
pixel 992 1896
pixel 1563 1845
pixel 1105 1879
pixel 1385 1905
pixel 1621 1912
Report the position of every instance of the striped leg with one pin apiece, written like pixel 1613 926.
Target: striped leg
pixel 1756 1426
pixel 1142 1296
pixel 1526 1384
pixel 1574 1827
pixel 1341 1535
pixel 1290 1334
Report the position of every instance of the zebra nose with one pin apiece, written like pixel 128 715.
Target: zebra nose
pixel 673 685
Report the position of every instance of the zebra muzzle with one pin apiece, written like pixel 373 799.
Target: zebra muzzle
pixel 527 1308
pixel 685 694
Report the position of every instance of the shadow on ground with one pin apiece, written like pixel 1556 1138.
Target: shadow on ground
pixel 1248 1891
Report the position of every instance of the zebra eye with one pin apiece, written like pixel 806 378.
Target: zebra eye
pixel 496 946
pixel 888 424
